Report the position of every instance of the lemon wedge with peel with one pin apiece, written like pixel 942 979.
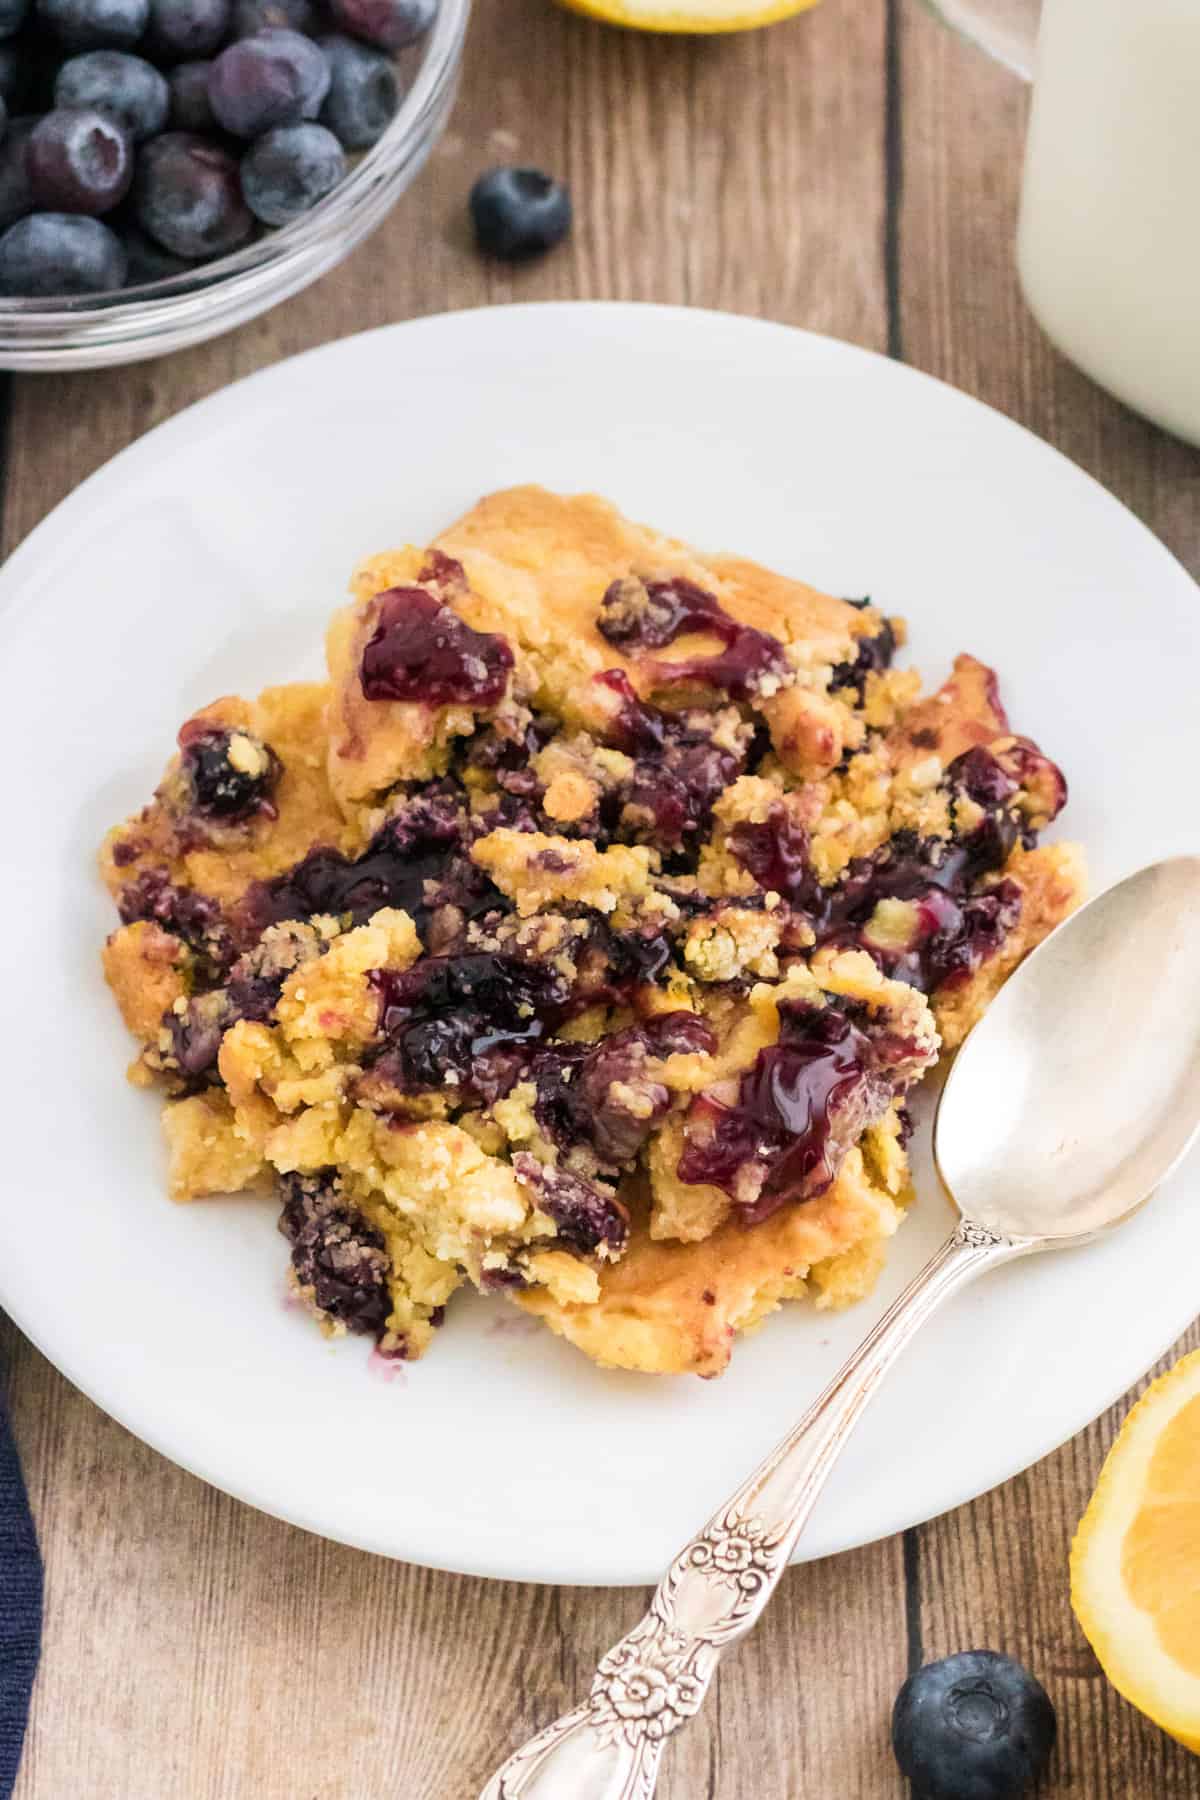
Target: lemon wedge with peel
pixel 1135 1564
pixel 690 15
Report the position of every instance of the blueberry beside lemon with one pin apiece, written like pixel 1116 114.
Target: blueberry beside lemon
pixel 976 1726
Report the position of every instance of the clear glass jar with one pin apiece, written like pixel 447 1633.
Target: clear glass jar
pixel 96 331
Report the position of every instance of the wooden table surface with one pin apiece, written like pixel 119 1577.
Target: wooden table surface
pixel 854 171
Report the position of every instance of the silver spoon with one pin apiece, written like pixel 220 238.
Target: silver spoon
pixel 1075 1096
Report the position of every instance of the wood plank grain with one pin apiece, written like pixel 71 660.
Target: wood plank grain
pixel 744 173
pixel 961 312
pixel 995 1573
pixel 195 1648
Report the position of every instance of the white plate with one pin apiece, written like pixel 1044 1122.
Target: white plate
pixel 204 560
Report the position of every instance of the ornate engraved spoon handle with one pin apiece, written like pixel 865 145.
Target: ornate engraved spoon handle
pixel 656 1678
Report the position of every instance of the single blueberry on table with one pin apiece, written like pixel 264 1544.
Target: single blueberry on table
pixel 95 24
pixel 289 169
pixel 519 212
pixel 186 194
pixel 389 24
pixel 180 30
pixel 59 254
pixel 12 16
pixel 976 1726
pixel 249 16
pixel 364 91
pixel 275 78
pixel 189 104
pixel 127 88
pixel 79 160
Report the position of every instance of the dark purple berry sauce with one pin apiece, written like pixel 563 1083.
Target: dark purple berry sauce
pixel 636 615
pixel 443 572
pixel 415 863
pixel 956 924
pixel 468 1022
pixel 604 1095
pixel 874 654
pixel 335 1252
pixel 250 990
pixel 421 650
pixel 636 728
pixel 220 790
pixel 775 852
pixel 799 1108
pixel 588 1216
pixel 192 916
pixel 669 801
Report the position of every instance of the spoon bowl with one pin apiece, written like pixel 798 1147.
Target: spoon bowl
pixel 1069 1103
pixel 1079 1090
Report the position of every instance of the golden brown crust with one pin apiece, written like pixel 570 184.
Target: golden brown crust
pixel 559 812
pixel 540 564
pixel 669 1308
pixel 964 712
pixel 146 968
pixel 292 720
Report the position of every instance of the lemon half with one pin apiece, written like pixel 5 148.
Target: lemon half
pixel 1135 1563
pixel 689 15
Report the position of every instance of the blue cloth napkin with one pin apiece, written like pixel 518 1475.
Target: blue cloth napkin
pixel 20 1607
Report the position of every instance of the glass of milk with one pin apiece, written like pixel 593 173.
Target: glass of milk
pixel 1108 245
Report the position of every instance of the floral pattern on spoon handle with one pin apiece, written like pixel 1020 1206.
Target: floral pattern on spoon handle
pixel 655 1679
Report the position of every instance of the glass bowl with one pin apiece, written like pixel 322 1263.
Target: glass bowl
pixel 98 330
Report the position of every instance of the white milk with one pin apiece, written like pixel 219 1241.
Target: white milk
pixel 1109 243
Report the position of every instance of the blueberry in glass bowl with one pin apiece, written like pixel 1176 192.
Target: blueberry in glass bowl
pixel 185 197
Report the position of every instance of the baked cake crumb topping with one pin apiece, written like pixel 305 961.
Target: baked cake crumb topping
pixel 581 938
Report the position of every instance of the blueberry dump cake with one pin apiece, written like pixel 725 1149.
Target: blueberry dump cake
pixel 581 938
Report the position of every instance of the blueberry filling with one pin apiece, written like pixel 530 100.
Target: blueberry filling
pixel 415 863
pixel 797 1110
pixel 636 728
pixel 496 1280
pixel 469 1023
pixel 335 1252
pixel 950 929
pixel 588 1217
pixel 678 774
pixel 421 650
pixel 195 1037
pixel 442 571
pixel 229 774
pixel 873 655
pixel 670 799
pixel 250 991
pixel 507 754
pixel 775 851
pixel 614 964
pixel 648 615
pixel 980 776
pixel 603 1095
pixel 192 916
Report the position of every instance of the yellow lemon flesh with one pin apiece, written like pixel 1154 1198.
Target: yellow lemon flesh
pixel 1135 1564
pixel 690 15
